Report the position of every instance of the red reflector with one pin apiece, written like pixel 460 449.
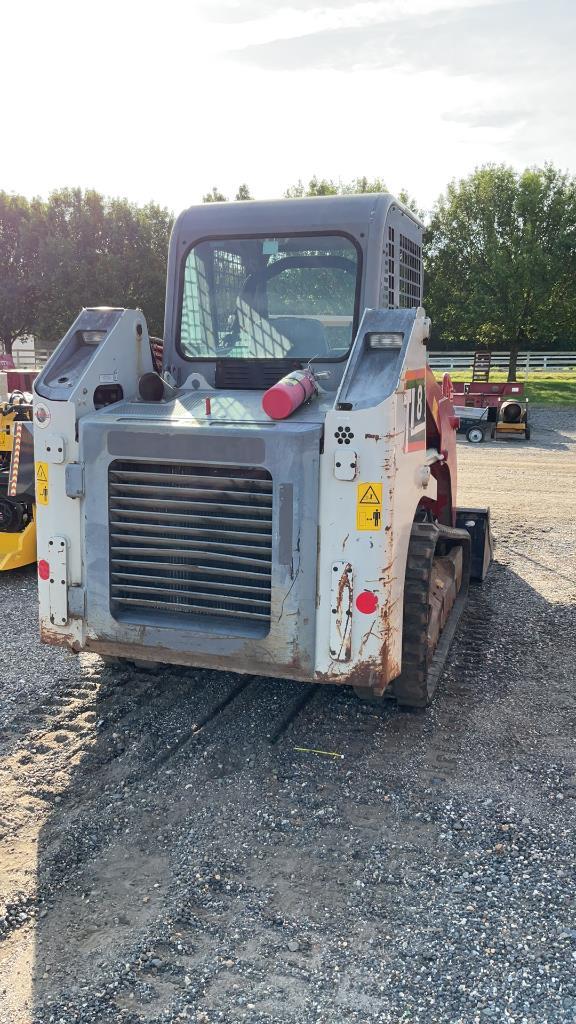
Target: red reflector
pixel 43 569
pixel 367 602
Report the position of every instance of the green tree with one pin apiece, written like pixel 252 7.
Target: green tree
pixel 243 193
pixel 21 230
pixel 98 251
pixel 316 187
pixel 412 203
pixel 358 186
pixel 214 196
pixel 501 259
pixel 327 187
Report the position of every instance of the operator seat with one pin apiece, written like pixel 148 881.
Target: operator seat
pixel 307 337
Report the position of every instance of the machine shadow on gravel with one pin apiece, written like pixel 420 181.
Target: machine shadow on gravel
pixel 39 686
pixel 147 879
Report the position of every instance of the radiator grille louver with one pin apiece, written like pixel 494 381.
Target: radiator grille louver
pixel 188 540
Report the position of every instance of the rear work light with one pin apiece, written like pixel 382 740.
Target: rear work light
pixel 93 337
pixel 384 340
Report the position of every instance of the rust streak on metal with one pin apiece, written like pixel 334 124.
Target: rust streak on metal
pixel 388 667
pixel 344 611
pixel 54 637
pixel 366 637
pixel 247 663
pixel 357 677
pixel 344 584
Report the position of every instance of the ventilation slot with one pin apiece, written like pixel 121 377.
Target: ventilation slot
pixel 391 256
pixel 343 435
pixel 410 273
pixel 190 541
pixel 246 374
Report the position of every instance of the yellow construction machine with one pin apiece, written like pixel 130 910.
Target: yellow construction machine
pixel 17 498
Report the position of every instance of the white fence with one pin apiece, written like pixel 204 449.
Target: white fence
pixel 28 359
pixel 527 361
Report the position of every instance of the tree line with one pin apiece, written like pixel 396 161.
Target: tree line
pixel 75 249
pixel 500 257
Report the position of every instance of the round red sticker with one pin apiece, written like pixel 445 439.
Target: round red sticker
pixel 367 602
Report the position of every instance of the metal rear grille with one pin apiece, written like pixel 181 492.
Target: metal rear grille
pixel 188 540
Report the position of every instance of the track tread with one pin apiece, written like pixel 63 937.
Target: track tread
pixel 417 683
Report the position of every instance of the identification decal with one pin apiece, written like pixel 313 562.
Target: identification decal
pixel 42 483
pixel 415 404
pixel 369 506
pixel 42 415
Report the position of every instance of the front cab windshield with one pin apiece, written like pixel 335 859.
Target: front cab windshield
pixel 269 298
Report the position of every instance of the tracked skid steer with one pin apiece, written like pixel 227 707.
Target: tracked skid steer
pixel 278 496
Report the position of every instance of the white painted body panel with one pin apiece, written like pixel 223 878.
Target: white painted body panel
pixel 371 653
pixel 378 558
pixel 124 357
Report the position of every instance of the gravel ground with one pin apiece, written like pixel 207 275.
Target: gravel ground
pixel 423 873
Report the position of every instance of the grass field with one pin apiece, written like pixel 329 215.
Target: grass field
pixel 543 387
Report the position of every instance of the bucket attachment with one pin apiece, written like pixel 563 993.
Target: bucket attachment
pixel 477 522
pixel 18 549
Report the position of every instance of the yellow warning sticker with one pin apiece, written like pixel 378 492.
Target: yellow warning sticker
pixel 369 506
pixel 42 483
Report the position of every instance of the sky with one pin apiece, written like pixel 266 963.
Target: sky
pixel 162 101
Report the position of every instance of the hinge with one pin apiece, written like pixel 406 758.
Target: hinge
pixel 341 592
pixel 77 601
pixel 74 480
pixel 58 580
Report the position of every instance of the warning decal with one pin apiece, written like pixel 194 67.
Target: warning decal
pixel 369 506
pixel 42 483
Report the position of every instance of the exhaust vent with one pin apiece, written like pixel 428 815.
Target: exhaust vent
pixel 190 541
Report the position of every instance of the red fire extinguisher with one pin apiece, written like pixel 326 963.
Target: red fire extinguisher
pixel 283 398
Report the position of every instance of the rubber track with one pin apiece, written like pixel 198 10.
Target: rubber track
pixel 416 685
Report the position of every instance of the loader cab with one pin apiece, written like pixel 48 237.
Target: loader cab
pixel 258 289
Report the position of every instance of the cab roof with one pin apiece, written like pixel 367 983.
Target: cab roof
pixel 352 214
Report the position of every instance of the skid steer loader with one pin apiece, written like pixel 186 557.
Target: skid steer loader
pixel 280 499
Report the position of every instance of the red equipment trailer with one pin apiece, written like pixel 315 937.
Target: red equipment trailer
pixel 506 403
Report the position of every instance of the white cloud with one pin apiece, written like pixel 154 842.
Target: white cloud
pixel 152 103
